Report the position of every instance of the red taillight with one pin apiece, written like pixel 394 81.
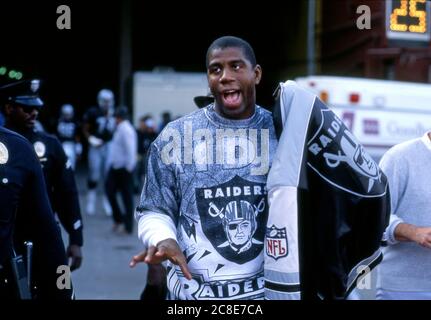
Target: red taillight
pixel 354 97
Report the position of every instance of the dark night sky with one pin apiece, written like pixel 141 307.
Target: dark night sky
pixel 76 63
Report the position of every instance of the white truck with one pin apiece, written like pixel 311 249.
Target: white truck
pixel 380 113
pixel 155 92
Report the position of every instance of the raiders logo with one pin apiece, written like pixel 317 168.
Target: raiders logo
pixel 276 242
pixel 230 215
pixel 333 151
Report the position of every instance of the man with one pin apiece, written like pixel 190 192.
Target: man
pixel 404 273
pixel 206 174
pixel 146 135
pixel 121 162
pixel 26 215
pixel 59 177
pixel 67 133
pixel 98 128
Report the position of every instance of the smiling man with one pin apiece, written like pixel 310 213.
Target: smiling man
pixel 203 205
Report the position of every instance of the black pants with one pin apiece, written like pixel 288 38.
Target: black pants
pixel 121 180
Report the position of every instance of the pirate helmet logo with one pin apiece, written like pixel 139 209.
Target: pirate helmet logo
pixel 239 223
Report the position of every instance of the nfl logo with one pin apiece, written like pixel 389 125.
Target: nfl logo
pixel 276 242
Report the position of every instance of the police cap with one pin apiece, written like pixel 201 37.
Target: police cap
pixel 24 93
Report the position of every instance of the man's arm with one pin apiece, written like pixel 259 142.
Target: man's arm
pixel 157 214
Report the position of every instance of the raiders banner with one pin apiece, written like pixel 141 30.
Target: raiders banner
pixel 328 203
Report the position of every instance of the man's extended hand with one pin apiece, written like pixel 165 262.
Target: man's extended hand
pixel 423 237
pixel 166 249
pixel 75 254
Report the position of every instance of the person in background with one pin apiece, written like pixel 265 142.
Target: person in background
pixel 121 164
pixel 21 110
pixel 67 133
pixel 166 118
pixel 405 273
pixel 146 135
pixel 98 128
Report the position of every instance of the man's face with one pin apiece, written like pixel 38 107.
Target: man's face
pixel 239 232
pixel 105 104
pixel 22 116
pixel 232 80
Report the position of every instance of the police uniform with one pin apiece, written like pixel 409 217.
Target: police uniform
pixel 60 181
pixel 26 215
pixel 58 174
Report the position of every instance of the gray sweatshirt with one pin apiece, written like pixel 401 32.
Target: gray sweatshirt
pixel 406 266
pixel 205 188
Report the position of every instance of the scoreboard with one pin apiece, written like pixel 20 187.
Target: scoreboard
pixel 408 20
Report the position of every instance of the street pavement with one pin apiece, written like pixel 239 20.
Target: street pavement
pixel 105 272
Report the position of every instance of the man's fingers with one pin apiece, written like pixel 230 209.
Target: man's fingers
pixel 185 269
pixel 180 260
pixel 75 263
pixel 138 258
pixel 150 254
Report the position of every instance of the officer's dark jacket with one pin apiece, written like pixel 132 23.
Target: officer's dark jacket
pixel 26 215
pixel 60 181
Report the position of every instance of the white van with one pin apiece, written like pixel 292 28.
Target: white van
pixel 166 90
pixel 380 113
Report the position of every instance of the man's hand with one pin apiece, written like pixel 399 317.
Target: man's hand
pixel 166 249
pixel 75 254
pixel 94 141
pixel 423 236
pixel 410 232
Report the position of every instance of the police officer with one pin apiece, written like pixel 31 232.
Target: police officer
pixel 98 129
pixel 21 110
pixel 26 215
pixel 67 133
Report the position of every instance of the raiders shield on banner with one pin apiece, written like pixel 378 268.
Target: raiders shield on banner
pixel 232 217
pixel 333 150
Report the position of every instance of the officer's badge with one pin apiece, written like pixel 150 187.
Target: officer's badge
pixel 34 86
pixel 40 148
pixel 4 154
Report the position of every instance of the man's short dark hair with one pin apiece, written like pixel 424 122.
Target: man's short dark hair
pixel 233 42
